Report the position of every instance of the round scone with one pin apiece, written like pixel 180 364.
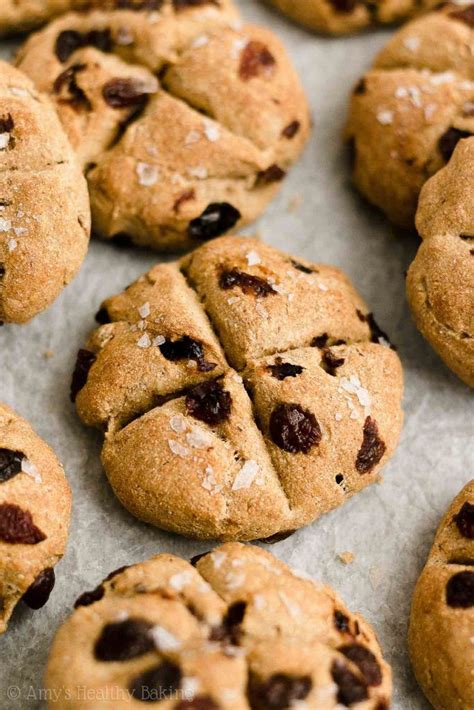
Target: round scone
pixel 339 17
pixel 35 509
pixel 20 15
pixel 410 110
pixel 236 629
pixel 44 205
pixel 243 393
pixel 440 282
pixel 185 157
pixel 442 614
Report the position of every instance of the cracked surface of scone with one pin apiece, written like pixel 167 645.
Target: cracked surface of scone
pixel 242 393
pixel 339 17
pixel 44 205
pixel 185 157
pixel 35 509
pixel 442 614
pixel 440 282
pixel 236 629
pixel 410 110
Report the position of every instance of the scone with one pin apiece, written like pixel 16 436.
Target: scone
pixel 235 630
pixel 440 282
pixel 185 119
pixel 338 17
pixel 20 15
pixel 410 110
pixel 44 205
pixel 35 509
pixel 242 393
pixel 442 614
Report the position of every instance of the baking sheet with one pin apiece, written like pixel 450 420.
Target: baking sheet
pixel 389 527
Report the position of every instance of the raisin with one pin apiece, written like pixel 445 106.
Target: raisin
pixel 464 561
pixel 116 572
pixel 341 621
pixel 17 527
pixel 345 6
pixel 272 174
pixel 279 691
pixel 7 124
pixel 294 429
pixel 84 362
pixel 365 662
pixel 157 683
pixel 68 41
pixel 209 402
pixel 460 590
pixel 339 479
pixel 281 370
pixel 88 598
pixel 120 93
pixel 186 348
pixel 183 4
pixel 301 267
pixel 278 537
pixel 102 316
pixel 320 341
pixel 38 593
pixel 465 15
pixel 229 630
pixel 377 335
pixel 2 270
pixel 201 702
pixel 464 519
pixel 10 464
pixel 124 640
pixel 372 449
pixel 68 80
pixel 291 130
pixel 248 283
pixel 217 219
pixel 351 689
pixel 331 362
pixel 449 140
pixel 255 60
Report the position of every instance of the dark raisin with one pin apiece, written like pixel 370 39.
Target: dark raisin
pixel 460 590
pixel 186 348
pixel 248 283
pixel 278 692
pixel 255 60
pixel 466 15
pixel 331 362
pixel 301 267
pixel 184 4
pixel 351 689
pixel 209 402
pixel 341 621
pixel 229 630
pixel 160 682
pixel 68 41
pixel 360 87
pixel 320 341
pixel 38 593
pixel 365 662
pixel 124 640
pixel 281 370
pixel 200 702
pixel 10 464
pixel 277 537
pixel 339 479
pixel 291 130
pixel 377 335
pixel 88 598
pixel 7 124
pixel 272 174
pixel 449 140
pixel 194 560
pixel 217 219
pixel 464 519
pixel 17 527
pixel 120 93
pixel 116 572
pixel 464 561
pixel 102 316
pixel 2 270
pixel 67 81
pixel 345 6
pixel 84 362
pixel 372 449
pixel 294 429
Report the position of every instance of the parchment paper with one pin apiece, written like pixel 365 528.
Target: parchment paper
pixel 389 527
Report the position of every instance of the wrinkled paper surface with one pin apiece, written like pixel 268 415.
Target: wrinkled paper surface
pixel 389 527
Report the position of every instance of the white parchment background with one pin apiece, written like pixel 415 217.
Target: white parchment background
pixel 389 527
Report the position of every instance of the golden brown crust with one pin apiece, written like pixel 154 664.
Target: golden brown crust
pixel 236 625
pixel 237 317
pixel 38 489
pixel 44 205
pixel 408 112
pixel 440 282
pixel 226 120
pixel 442 615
